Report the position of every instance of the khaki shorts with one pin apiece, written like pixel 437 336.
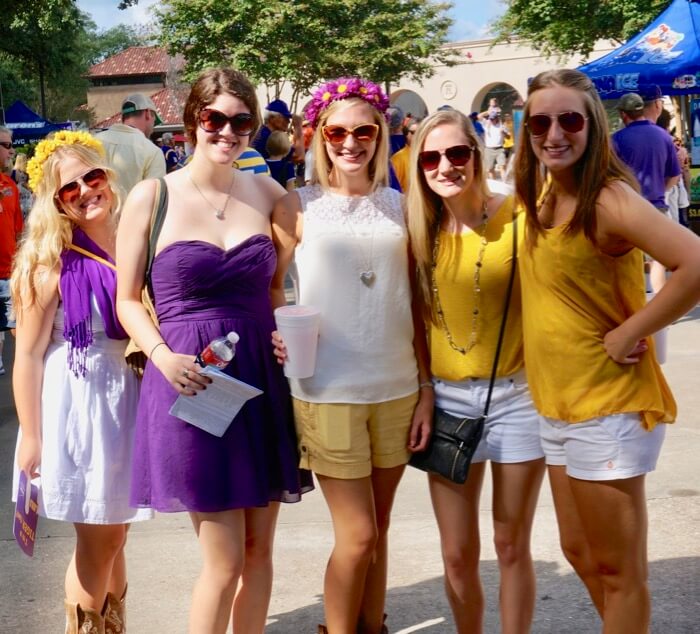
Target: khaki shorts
pixel 346 440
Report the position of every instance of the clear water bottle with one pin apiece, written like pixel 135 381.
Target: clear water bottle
pixel 219 352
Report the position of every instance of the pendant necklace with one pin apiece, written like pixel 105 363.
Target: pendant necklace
pixel 367 275
pixel 219 212
pixel 476 294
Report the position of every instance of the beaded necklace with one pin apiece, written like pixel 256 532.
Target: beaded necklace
pixel 477 287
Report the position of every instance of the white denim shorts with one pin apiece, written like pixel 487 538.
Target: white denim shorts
pixel 512 432
pixel 605 448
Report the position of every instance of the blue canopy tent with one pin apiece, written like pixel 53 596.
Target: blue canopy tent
pixel 665 54
pixel 27 125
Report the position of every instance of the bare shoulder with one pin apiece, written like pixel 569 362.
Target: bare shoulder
pixel 619 204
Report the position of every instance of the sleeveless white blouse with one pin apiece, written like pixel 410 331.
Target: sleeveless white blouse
pixel 352 263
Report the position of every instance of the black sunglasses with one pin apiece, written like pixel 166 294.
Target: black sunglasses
pixel 458 155
pixel 211 121
pixel 570 122
pixel 6 144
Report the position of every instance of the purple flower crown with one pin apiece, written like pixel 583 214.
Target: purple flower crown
pixel 344 88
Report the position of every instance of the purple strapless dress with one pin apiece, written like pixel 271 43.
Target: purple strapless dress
pixel 202 292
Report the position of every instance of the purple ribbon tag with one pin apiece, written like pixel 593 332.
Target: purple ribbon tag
pixel 26 514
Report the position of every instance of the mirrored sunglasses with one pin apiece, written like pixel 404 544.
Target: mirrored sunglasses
pixel 364 133
pixel 458 155
pixel 211 121
pixel 94 179
pixel 571 122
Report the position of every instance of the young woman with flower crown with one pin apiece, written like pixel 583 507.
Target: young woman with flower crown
pixel 75 396
pixel 589 353
pixel 462 240
pixel 362 412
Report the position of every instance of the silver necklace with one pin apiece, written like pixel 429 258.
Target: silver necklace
pixel 476 294
pixel 218 211
pixel 367 275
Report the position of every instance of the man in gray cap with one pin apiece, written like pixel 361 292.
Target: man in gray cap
pixel 397 140
pixel 649 152
pixel 130 153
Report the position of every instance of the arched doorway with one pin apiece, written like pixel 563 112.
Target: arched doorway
pixel 509 98
pixel 409 102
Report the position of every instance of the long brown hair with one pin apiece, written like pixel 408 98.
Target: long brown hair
pixel 424 204
pixel 598 166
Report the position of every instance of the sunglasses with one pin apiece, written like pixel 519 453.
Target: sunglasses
pixel 337 134
pixel 458 155
pixel 94 179
pixel 6 144
pixel 570 122
pixel 214 121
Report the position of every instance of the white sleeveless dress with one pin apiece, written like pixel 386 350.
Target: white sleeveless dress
pixel 87 431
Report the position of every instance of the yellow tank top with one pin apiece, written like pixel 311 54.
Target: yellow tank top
pixel 454 273
pixel 573 294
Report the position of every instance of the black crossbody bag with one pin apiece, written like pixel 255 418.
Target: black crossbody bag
pixel 455 439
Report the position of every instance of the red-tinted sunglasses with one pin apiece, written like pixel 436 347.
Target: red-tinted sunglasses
pixel 94 179
pixel 458 155
pixel 211 121
pixel 337 134
pixel 570 122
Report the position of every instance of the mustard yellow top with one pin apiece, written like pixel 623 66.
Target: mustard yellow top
pixel 454 273
pixel 401 161
pixel 573 294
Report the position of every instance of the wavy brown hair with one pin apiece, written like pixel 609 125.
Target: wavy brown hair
pixel 597 168
pixel 208 86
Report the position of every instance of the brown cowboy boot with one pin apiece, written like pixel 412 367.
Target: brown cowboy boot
pixel 115 614
pixel 79 621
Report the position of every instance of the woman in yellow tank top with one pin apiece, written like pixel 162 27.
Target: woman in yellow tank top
pixel 462 239
pixel 588 350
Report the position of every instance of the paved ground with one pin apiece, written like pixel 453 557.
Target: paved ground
pixel 163 554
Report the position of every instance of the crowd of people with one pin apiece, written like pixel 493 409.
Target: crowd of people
pixel 412 290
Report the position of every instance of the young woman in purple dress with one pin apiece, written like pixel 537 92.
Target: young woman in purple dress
pixel 211 275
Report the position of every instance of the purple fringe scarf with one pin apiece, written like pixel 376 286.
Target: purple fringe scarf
pixel 81 277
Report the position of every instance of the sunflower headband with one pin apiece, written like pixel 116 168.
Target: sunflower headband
pixel 344 88
pixel 45 148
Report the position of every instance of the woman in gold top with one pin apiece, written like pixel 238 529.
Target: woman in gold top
pixel 588 349
pixel 462 239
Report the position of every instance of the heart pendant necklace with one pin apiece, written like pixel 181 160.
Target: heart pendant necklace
pixel 367 274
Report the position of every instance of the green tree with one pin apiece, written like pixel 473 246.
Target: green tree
pixel 304 42
pixel 567 27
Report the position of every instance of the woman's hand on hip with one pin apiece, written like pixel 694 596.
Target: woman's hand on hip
pixel 622 349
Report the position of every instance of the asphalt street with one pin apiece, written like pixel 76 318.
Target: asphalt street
pixel 163 555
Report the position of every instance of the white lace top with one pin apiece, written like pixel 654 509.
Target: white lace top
pixel 365 349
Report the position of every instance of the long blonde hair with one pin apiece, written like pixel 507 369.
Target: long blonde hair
pixel 48 231
pixel 598 166
pixel 378 165
pixel 424 205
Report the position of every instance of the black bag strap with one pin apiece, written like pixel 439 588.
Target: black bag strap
pixel 157 218
pixel 502 332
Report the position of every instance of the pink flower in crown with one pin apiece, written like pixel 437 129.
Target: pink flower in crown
pixel 344 88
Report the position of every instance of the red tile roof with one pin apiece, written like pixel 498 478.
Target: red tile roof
pixel 137 60
pixel 169 102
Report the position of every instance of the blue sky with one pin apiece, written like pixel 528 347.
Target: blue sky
pixel 471 16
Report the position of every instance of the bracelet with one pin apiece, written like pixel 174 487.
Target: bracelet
pixel 428 384
pixel 153 349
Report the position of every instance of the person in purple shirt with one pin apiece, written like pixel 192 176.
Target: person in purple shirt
pixel 649 152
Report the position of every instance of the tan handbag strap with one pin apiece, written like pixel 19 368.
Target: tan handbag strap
pixel 90 254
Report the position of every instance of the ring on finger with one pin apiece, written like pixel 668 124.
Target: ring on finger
pixel 185 373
